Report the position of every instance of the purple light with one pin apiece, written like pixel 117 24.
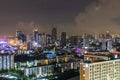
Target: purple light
pixel 78 51
pixel 3 42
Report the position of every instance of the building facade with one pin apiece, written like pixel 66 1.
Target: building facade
pixel 54 34
pixel 106 70
pixel 6 61
pixel 63 39
pixel 41 71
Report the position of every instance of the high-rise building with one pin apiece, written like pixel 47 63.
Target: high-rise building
pixel 21 36
pixel 29 41
pixel 54 34
pixel 36 39
pixel 105 70
pixel 35 35
pixel 48 39
pixel 40 39
pixel 43 38
pixel 6 61
pixel 63 39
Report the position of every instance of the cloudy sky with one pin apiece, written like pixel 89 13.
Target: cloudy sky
pixel 72 16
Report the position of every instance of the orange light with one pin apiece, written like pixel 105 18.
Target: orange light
pixel 14 42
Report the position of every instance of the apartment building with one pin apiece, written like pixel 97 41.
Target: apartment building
pixel 103 70
pixel 6 61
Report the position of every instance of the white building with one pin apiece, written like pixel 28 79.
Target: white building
pixel 105 70
pixel 6 61
pixel 41 71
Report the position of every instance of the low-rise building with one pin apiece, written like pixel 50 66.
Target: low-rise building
pixel 40 71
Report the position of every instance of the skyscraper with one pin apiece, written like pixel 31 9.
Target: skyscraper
pixel 35 35
pixel 63 39
pixel 29 41
pixel 21 36
pixel 54 34
pixel 48 39
pixel 43 38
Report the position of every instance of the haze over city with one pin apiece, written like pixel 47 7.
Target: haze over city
pixel 73 16
pixel 59 39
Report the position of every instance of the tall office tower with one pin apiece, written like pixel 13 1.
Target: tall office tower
pixel 29 38
pixel 29 41
pixel 54 35
pixel 36 39
pixel 48 39
pixel 35 35
pixel 21 36
pixel 40 39
pixel 63 39
pixel 105 70
pixel 43 38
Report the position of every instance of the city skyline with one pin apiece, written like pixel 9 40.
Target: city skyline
pixel 73 16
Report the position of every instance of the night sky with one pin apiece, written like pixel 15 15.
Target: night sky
pixel 71 16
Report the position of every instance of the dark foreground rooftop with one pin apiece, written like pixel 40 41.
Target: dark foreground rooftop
pixel 74 78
